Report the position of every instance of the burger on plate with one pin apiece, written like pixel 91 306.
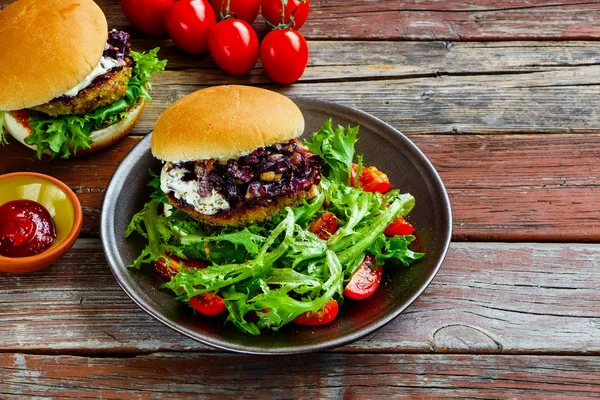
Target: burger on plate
pixel 232 156
pixel 241 222
pixel 68 85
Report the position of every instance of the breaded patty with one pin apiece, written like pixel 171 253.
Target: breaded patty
pixel 104 90
pixel 240 217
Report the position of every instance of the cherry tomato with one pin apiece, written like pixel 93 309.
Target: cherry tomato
pixel 371 179
pixel 167 267
pixel 325 226
pixel 284 55
pixel 246 10
pixel 365 280
pixel 189 23
pixel 233 45
pixel 321 317
pixel 208 304
pixel 147 15
pixel 399 227
pixel 271 11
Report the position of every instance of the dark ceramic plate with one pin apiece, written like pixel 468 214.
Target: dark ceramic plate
pixel 382 146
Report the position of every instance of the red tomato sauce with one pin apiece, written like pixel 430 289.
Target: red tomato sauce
pixel 26 229
pixel 22 116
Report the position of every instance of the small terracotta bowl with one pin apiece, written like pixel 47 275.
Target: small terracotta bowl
pixel 61 203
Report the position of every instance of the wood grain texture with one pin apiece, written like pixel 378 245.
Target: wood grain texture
pixel 331 59
pixel 502 187
pixel 559 101
pixel 486 298
pixel 436 87
pixel 432 19
pixel 199 375
pixel 463 20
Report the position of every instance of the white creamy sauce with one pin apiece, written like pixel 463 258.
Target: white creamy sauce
pixel 171 180
pixel 105 65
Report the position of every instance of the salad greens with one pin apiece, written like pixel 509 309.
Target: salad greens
pixel 271 272
pixel 64 134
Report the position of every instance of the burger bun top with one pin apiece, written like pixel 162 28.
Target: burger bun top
pixel 47 47
pixel 224 122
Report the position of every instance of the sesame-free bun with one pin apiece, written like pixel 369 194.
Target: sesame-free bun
pixel 101 138
pixel 224 122
pixel 46 48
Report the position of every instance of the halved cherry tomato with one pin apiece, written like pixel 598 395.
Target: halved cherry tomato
pixel 371 179
pixel 168 267
pixel 233 45
pixel 246 10
pixel 399 227
pixel 321 317
pixel 365 280
pixel 325 226
pixel 271 11
pixel 189 23
pixel 208 304
pixel 284 55
pixel 147 15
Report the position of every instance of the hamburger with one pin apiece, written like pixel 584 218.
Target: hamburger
pixel 231 155
pixel 69 86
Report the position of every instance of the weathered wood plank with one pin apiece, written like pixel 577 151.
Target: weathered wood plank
pixel 558 101
pixel 465 20
pixel 525 188
pixel 176 375
pixel 429 87
pixel 433 19
pixel 377 59
pixel 507 188
pixel 487 298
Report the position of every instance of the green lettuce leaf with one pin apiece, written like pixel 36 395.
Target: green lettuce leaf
pixel 156 228
pixel 385 248
pixel 157 194
pixel 65 135
pixel 192 282
pixel 245 238
pixel 337 149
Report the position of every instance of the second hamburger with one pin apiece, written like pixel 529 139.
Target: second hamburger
pixel 69 86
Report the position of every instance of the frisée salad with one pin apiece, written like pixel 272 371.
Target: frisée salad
pixel 298 266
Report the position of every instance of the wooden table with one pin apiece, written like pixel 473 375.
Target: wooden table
pixel 502 96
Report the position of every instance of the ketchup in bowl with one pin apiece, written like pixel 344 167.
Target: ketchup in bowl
pixel 26 228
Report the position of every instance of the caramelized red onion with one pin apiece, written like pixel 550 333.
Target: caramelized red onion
pixel 281 170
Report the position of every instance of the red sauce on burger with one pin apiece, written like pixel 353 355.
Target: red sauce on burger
pixel 26 229
pixel 22 116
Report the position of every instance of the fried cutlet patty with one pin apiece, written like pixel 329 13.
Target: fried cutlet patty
pixel 240 216
pixel 245 190
pixel 104 90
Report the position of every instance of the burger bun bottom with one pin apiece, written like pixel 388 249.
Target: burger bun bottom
pixel 101 138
